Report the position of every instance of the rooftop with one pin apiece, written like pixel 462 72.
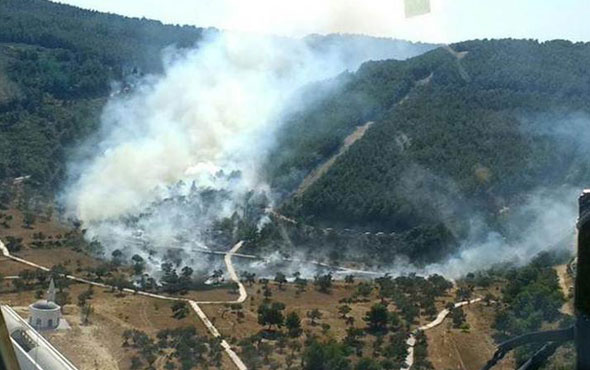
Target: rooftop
pixel 45 305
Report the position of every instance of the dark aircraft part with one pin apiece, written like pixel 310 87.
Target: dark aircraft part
pixel 557 337
pixel 539 357
pixel 580 332
pixel 8 360
pixel 582 285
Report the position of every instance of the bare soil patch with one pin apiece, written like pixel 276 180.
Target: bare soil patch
pixel 10 267
pixel 450 348
pixel 566 283
pixel 49 227
pixel 98 345
pixel 319 171
pixel 69 258
pixel 328 304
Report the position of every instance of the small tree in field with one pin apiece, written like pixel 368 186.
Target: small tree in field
pixel 463 293
pixel 300 283
pixel 28 220
pixel 323 282
pixel 344 310
pixel 117 257
pixel 249 277
pixel 86 311
pixel 271 314
pixel 136 363
pixel 280 279
pixel 267 293
pixel 293 324
pixel 179 310
pixel 138 264
pixel 377 317
pixel 458 316
pixel 314 315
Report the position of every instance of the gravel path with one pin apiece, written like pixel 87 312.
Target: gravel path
pixel 436 322
pixel 193 304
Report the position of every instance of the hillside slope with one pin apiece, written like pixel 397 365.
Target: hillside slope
pixel 505 118
pixel 58 65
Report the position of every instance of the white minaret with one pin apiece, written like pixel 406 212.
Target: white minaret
pixel 51 291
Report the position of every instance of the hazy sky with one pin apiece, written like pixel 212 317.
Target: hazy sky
pixel 449 20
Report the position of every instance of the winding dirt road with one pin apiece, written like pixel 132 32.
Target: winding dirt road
pixel 565 284
pixel 320 170
pixel 193 304
pixel 411 342
pixel 233 276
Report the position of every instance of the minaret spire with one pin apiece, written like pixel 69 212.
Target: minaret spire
pixel 51 291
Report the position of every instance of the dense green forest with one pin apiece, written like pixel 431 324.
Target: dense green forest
pixel 57 64
pixel 111 41
pixel 456 132
pixel 462 131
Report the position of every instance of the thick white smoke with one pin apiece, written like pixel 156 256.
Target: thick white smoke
pixel 206 123
pixel 544 222
pixel 214 109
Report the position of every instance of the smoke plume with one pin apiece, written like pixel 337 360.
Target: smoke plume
pixel 545 222
pixel 180 150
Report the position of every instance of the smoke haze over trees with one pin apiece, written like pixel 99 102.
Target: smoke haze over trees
pixel 192 131
pixel 58 65
pixel 485 143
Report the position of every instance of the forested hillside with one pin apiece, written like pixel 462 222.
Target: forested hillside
pixel 356 49
pixel 465 131
pixel 110 40
pixel 335 107
pixel 57 64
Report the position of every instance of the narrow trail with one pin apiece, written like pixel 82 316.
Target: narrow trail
pixel 411 341
pixel 336 269
pixel 243 295
pixel 233 276
pixel 567 307
pixel 193 304
pixel 232 272
pixel 320 170
pixel 353 137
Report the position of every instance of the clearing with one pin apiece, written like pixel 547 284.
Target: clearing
pixel 450 348
pixel 319 171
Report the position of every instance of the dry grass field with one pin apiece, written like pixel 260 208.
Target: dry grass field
pixel 99 344
pixel 450 348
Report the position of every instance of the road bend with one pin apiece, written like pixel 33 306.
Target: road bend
pixel 411 342
pixel 193 304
